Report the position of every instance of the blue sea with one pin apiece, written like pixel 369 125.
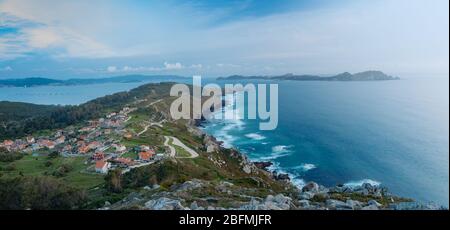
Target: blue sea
pixel 393 133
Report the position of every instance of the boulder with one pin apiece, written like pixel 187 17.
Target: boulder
pixel 370 207
pixel 311 187
pixel 354 204
pixel 306 195
pixel 188 185
pixel 194 205
pixel 338 205
pixel 374 202
pixel 263 164
pixel 247 169
pixel 304 203
pixel 164 203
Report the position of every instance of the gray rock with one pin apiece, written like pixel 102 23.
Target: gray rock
pixel 337 204
pixel 311 187
pixel 304 203
pixel 370 207
pixel 247 169
pixel 278 202
pixel 188 185
pixel 354 204
pixel 164 203
pixel 374 202
pixel 155 186
pixel 107 203
pixel 306 195
pixel 194 205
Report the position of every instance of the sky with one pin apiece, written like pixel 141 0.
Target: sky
pixel 85 38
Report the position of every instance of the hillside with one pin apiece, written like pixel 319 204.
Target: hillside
pixel 38 81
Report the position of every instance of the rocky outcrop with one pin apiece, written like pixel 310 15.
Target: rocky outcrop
pixel 263 164
pixel 211 144
pixel 164 203
pixel 278 202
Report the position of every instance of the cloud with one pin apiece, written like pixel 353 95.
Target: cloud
pixel 166 67
pixel 196 66
pixel 171 66
pixel 393 36
pixel 111 69
pixel 39 29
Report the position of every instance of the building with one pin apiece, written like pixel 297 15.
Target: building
pixel 8 143
pixel 124 161
pixel 119 148
pixel 102 166
pixel 146 156
pixel 60 140
pixel 98 156
pixel 30 139
pixel 83 149
pixel 128 135
pixel 67 149
pixel 47 144
pixel 94 145
pixel 144 148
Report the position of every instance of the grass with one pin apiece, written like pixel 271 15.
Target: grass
pixel 180 152
pixel 132 155
pixel 36 166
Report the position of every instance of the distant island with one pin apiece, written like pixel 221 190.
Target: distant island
pixel 40 81
pixel 362 76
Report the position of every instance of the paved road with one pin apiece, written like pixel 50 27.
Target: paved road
pixel 172 152
pixel 177 142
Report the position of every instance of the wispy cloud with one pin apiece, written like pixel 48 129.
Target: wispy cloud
pixel 227 37
pixel 142 69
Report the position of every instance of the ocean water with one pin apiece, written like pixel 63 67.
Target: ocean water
pixel 393 133
pixel 65 95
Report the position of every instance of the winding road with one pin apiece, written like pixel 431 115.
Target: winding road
pixel 177 142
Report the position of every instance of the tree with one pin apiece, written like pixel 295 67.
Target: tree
pixel 114 181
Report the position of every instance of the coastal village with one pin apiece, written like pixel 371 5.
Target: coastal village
pixel 102 141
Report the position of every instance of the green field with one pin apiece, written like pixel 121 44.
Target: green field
pixel 76 174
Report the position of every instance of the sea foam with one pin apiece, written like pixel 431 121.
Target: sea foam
pixel 255 136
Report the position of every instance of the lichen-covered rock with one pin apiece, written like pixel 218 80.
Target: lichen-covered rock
pixel 311 187
pixel 164 203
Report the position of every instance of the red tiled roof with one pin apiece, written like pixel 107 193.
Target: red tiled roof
pixel 145 155
pixel 100 164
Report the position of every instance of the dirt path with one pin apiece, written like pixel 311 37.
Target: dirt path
pixel 143 131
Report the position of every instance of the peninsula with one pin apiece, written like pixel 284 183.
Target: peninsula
pixel 362 76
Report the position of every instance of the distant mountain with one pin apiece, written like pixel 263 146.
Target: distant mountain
pixel 363 76
pixel 36 81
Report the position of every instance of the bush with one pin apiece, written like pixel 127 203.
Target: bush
pixel 6 156
pixel 48 164
pixel 41 193
pixel 53 154
pixel 114 181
